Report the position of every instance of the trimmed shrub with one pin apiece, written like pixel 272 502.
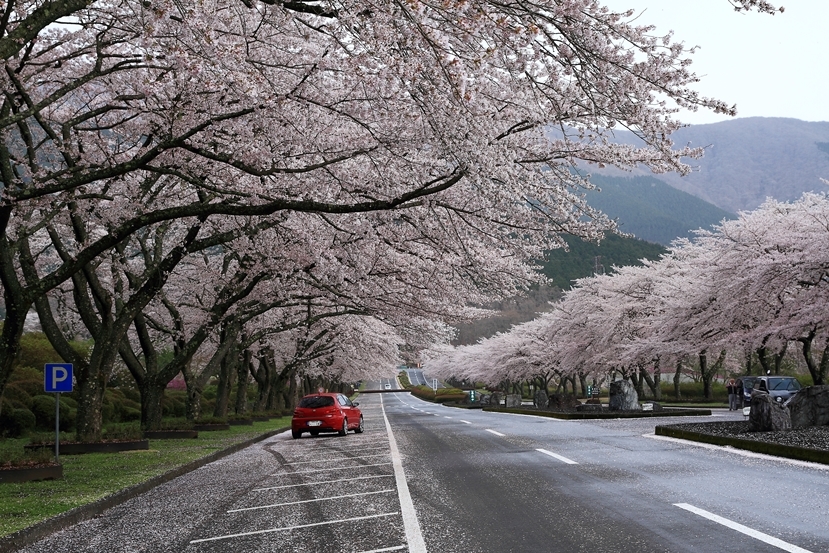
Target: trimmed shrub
pixel 43 408
pixel 16 422
pixel 173 403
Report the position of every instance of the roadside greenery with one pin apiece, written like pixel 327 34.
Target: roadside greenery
pixel 92 476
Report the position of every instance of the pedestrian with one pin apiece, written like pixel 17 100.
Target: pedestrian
pixel 732 390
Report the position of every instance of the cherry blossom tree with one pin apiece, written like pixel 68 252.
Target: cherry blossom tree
pixel 456 125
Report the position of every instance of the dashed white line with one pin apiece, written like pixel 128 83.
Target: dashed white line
pixel 465 422
pixel 495 432
pixel 398 548
pixel 771 540
pixel 307 501
pixel 287 528
pixel 557 456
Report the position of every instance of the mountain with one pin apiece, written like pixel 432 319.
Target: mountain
pixel 652 210
pixel 747 160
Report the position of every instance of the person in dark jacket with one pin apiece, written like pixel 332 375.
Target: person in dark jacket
pixel 733 397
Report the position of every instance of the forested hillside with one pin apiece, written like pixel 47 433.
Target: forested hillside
pixel 652 210
pixel 562 267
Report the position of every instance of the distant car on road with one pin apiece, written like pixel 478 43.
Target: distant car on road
pixel 388 386
pixel 328 412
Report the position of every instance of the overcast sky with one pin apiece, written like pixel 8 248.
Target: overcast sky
pixel 770 66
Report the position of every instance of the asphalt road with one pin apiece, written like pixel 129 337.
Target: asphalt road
pixel 425 477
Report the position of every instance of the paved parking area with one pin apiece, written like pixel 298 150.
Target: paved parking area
pixel 327 493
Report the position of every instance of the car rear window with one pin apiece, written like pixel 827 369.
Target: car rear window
pixel 316 402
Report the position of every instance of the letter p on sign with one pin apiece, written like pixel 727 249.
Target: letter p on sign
pixel 57 377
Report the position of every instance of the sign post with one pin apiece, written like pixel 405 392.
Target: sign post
pixel 57 378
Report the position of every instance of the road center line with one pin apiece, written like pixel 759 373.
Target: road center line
pixel 414 537
pixel 465 422
pixel 287 528
pixel 771 540
pixel 398 548
pixel 307 501
pixel 557 456
pixel 495 432
pixel 322 482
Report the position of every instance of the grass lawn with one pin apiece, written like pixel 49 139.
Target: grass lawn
pixel 89 477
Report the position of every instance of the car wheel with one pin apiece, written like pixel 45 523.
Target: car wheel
pixel 359 429
pixel 296 434
pixel 344 430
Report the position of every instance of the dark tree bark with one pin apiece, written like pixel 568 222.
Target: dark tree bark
pixel 816 369
pixel 708 372
pixel 678 380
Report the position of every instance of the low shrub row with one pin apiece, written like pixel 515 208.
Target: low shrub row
pixel 441 395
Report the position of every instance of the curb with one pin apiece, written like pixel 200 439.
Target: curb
pixel 587 415
pixel 777 450
pixel 36 532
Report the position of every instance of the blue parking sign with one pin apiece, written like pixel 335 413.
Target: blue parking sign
pixel 57 377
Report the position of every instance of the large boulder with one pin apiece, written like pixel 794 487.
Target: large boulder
pixel 623 397
pixel 766 414
pixel 563 402
pixel 540 399
pixel 810 407
pixel 513 400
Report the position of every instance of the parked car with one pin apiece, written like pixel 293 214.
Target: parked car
pixel 328 412
pixel 780 388
pixel 746 383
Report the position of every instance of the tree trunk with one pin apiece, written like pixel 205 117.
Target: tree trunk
pixel 771 362
pixel 194 391
pixel 652 382
pixel 242 376
pixel 707 373
pixel 816 370
pixel 152 394
pixel 749 357
pixel 583 383
pixel 678 380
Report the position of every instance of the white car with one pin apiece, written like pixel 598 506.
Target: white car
pixel 388 386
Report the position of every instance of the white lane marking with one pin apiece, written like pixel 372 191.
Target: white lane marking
pixel 322 482
pixel 557 456
pixel 398 548
pixel 465 422
pixel 771 540
pixel 743 452
pixel 307 501
pixel 413 535
pixel 445 417
pixel 495 432
pixel 337 459
pixel 436 415
pixel 336 468
pixel 287 528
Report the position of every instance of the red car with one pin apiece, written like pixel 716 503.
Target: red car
pixel 326 413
